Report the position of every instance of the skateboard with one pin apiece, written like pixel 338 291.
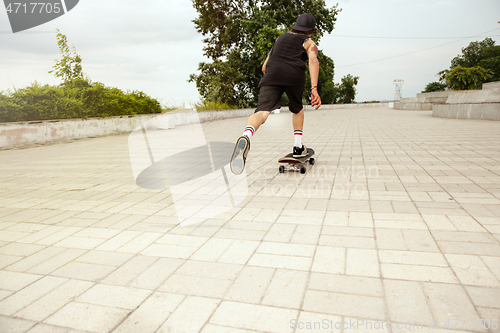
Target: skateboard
pixel 296 164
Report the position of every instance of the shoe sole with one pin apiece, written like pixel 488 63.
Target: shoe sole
pixel 238 159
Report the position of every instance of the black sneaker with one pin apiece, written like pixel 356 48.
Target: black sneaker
pixel 299 151
pixel 239 157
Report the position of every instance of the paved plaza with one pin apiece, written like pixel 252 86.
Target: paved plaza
pixel 395 229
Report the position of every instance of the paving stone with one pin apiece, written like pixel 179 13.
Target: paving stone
pixel 280 233
pixel 211 328
pixel 286 289
pixel 286 249
pixel 472 271
pixel 305 234
pixel 280 261
pixel 391 239
pixel 129 271
pixel 14 325
pixel 203 308
pixel 156 274
pixel 254 317
pixel 418 273
pixel 448 301
pixel 406 302
pixel 19 249
pixel 329 260
pixel 493 264
pixel 16 281
pixel 346 284
pixel 488 315
pixel 28 295
pixel 88 272
pixel 412 258
pixel 114 296
pixel 148 317
pixel 54 300
pixel 362 262
pixel 250 285
pixel 88 317
pixel 210 269
pixel 399 220
pixel 484 296
pixel 42 328
pixel 318 322
pixel 344 304
pixel 35 259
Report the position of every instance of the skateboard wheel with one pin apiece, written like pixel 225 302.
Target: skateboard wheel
pixel 303 169
pixel 312 161
pixel 282 169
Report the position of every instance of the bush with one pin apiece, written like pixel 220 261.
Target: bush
pixel 208 106
pixel 434 86
pixel 78 98
pixel 494 65
pixel 466 78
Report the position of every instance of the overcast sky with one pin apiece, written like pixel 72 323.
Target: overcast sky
pixel 153 46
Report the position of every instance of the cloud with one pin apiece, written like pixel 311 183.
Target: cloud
pixel 403 19
pixel 153 45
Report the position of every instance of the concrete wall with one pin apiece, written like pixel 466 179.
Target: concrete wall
pixel 467 111
pixel 423 101
pixel 40 132
pixel 491 85
pixel 474 104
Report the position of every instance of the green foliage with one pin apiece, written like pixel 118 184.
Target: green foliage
pixel 209 106
pixel 435 86
pixel 221 82
pixel 492 64
pixel 466 78
pixel 345 92
pixel 70 65
pixel 478 63
pixel 78 98
pixel 239 35
pixel 473 54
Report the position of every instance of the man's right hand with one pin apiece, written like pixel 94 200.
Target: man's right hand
pixel 315 99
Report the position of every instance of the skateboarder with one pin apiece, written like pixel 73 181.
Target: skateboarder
pixel 284 71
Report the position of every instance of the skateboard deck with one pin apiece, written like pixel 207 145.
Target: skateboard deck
pixel 296 163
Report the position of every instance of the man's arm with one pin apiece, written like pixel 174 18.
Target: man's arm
pixel 264 66
pixel 312 52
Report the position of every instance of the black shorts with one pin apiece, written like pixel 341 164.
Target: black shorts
pixel 270 96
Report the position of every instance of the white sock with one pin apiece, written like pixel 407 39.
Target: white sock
pixel 298 138
pixel 249 132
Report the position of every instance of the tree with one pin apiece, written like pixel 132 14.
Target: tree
pixel 435 86
pixel 69 67
pixel 345 92
pixel 478 63
pixel 492 64
pixel 466 78
pixel 239 35
pixel 473 54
